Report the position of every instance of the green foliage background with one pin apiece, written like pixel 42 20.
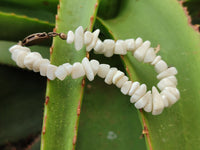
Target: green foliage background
pixel 104 109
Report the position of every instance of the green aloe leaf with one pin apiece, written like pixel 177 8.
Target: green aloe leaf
pixel 108 119
pixel 61 114
pixel 43 10
pixel 15 27
pixel 22 96
pixel 167 25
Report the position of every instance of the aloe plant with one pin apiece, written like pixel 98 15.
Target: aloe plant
pixel 79 114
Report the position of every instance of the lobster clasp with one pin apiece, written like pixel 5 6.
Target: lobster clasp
pixel 38 37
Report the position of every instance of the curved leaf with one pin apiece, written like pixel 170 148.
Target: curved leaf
pixel 15 27
pixel 61 114
pixel 108 120
pixel 44 10
pixel 164 23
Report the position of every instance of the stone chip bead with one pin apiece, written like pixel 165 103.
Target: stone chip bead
pixel 92 44
pixel 99 47
pixel 120 47
pixel 165 82
pixel 133 88
pixel 95 66
pixel 158 105
pixel 43 68
pixel 19 47
pixel 160 66
pixel 63 70
pixel 103 70
pixel 169 72
pixel 126 87
pixel 118 75
pixel 30 59
pixel 150 56
pixel 77 70
pixel 109 46
pixel 70 37
pixel 37 64
pixel 138 42
pixel 88 36
pixel 20 58
pixel 88 69
pixel 130 44
pixel 143 100
pixel 140 52
pixel 51 71
pixel 121 81
pixel 149 105
pixel 79 38
pixel 156 60
pixel 110 75
pixel 138 93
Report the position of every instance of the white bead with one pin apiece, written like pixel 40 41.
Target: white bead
pixel 88 69
pixel 165 99
pixel 79 38
pixel 15 53
pixel 51 72
pixel 43 68
pixel 94 40
pixel 141 51
pixel 169 72
pixel 148 106
pixel 126 87
pixel 150 56
pixel 158 105
pixel 170 97
pixel 165 82
pixel 19 47
pixel 133 88
pixel 174 91
pixel 143 100
pixel 109 47
pixel 70 37
pixel 61 72
pixel 14 47
pixel 138 42
pixel 118 75
pixel 103 70
pixel 95 66
pixel 20 58
pixel 30 59
pixel 38 62
pixel 172 79
pixel 77 70
pixel 120 47
pixel 156 60
pixel 130 44
pixel 110 75
pixel 87 37
pixel 68 68
pixel 160 66
pixel 122 81
pixel 138 93
pixel 99 47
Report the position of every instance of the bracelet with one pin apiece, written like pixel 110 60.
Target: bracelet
pixel 150 101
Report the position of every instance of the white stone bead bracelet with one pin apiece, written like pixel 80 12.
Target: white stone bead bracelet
pixel 150 101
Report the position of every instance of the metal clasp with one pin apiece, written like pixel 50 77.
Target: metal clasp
pixel 38 37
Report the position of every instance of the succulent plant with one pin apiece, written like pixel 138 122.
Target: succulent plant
pixel 78 114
